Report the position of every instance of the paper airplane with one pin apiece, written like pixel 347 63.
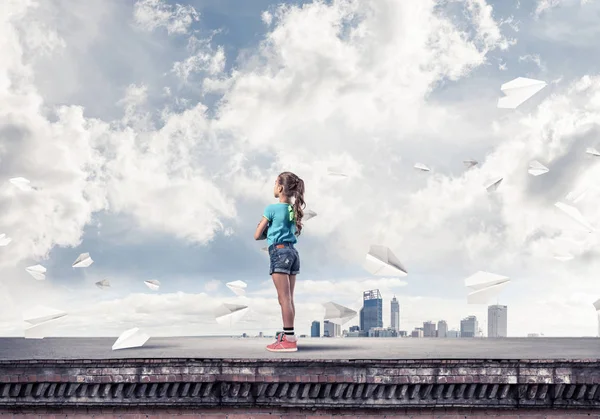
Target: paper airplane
pixel 494 186
pixel 238 287
pixel 574 214
pixel 4 240
pixel 230 313
pixel 308 214
pixel 42 321
pixel 592 151
pixel 132 338
pixel 422 167
pixel 83 261
pixel 577 195
pixel 564 257
pixel 336 172
pixel 485 286
pixel 470 163
pixel 41 314
pixel 105 283
pixel 37 271
pixel 381 261
pixel 536 168
pixel 517 91
pixel 338 314
pixel 153 284
pixel 21 183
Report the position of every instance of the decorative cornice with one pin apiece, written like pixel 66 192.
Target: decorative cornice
pixel 299 383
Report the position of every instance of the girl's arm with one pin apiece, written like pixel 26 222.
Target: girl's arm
pixel 260 228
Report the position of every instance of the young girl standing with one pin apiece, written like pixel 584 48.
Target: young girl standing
pixel 284 223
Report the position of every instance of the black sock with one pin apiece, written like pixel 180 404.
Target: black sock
pixel 289 331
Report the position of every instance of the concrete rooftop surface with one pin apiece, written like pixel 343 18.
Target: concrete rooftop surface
pixel 308 348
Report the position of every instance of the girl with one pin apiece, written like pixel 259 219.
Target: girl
pixel 284 223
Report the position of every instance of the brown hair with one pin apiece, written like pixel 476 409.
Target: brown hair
pixel 293 186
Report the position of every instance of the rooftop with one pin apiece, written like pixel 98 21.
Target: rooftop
pixel 308 348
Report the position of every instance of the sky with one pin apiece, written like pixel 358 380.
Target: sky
pixel 153 131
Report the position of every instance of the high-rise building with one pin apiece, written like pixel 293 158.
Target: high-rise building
pixel 331 330
pixel 469 327
pixel 453 333
pixel 354 329
pixel 442 329
pixel 429 329
pixel 315 329
pixel 497 321
pixel 395 311
pixel 371 314
pixel 417 333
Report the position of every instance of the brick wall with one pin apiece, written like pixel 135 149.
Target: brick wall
pixel 231 413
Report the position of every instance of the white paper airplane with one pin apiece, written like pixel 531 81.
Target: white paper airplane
pixel 132 338
pixel 308 214
pixel 381 261
pixel 574 214
pixel 470 163
pixel 592 151
pixel 536 168
pixel 332 171
pixel 338 314
pixel 42 321
pixel 153 284
pixel 105 283
pixel 494 186
pixel 485 286
pixel 577 195
pixel 422 167
pixel 517 91
pixel 83 261
pixel 4 240
pixel 564 257
pixel 230 313
pixel 21 183
pixel 37 271
pixel 42 314
pixel 238 287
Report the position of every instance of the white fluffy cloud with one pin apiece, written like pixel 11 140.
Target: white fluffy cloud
pixel 357 85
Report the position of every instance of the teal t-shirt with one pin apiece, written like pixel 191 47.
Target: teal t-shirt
pixel 282 223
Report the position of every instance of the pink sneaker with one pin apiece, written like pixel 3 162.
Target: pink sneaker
pixel 281 344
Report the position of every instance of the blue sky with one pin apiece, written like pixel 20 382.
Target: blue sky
pixel 155 129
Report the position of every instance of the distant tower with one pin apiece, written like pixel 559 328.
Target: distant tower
pixel 395 310
pixel 497 321
pixel 442 331
pixel 372 311
pixel 469 327
pixel 315 329
pixel 429 329
pixel 331 329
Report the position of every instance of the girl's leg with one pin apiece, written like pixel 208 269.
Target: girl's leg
pixel 282 284
pixel 292 286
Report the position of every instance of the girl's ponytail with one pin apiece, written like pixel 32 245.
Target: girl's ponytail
pixel 299 204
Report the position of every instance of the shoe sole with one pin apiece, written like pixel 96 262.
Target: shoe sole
pixel 282 350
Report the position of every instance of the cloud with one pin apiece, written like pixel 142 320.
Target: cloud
pixel 370 87
pixel 152 14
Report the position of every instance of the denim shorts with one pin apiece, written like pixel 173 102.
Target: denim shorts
pixel 284 259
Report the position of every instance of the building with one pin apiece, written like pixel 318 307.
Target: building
pixel 469 327
pixel 395 314
pixel 354 329
pixel 497 321
pixel 315 329
pixel 331 330
pixel 442 329
pixel 417 333
pixel 381 332
pixel 429 329
pixel 371 314
pixel 453 333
